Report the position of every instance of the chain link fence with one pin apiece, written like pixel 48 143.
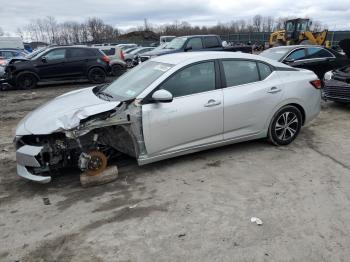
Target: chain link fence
pixel 262 37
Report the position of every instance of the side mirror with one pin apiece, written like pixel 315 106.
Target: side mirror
pixel 162 96
pixel 188 48
pixel 43 59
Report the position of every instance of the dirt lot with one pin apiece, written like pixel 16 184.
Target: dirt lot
pixel 192 208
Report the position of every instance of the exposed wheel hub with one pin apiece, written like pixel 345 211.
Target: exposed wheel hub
pixel 96 164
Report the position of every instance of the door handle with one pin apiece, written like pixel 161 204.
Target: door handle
pixel 274 90
pixel 212 102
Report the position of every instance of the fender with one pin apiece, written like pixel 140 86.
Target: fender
pixel 289 101
pixel 28 72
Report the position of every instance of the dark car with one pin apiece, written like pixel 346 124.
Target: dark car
pixel 337 85
pixel 58 63
pixel 193 43
pixel 315 58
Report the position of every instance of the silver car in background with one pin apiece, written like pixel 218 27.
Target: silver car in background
pixel 168 106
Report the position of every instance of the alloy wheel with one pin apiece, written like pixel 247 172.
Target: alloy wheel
pixel 286 126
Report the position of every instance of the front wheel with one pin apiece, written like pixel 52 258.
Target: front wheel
pixel 26 81
pixel 97 75
pixel 117 70
pixel 285 125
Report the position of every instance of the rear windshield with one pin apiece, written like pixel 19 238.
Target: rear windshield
pixel 275 53
pixel 132 83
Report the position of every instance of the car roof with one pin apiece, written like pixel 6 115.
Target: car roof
pixel 290 47
pixel 190 57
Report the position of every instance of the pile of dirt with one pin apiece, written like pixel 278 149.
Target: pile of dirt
pixel 140 35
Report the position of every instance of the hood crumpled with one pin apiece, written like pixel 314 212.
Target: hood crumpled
pixel 64 112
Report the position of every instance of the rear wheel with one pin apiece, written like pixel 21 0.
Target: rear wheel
pixel 129 63
pixel 97 75
pixel 285 125
pixel 117 70
pixel 26 81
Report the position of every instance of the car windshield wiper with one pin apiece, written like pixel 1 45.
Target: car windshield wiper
pixel 106 96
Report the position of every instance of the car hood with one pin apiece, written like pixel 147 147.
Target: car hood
pixel 16 60
pixel 160 52
pixel 64 112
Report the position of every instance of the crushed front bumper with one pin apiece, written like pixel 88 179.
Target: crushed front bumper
pixel 26 158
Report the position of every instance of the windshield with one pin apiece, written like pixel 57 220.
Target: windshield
pixel 176 43
pixel 275 53
pixel 132 83
pixel 35 54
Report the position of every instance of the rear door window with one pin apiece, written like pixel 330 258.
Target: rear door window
pixel 239 72
pixel 195 43
pixel 297 55
pixel 265 70
pixel 80 52
pixel 211 41
pixel 314 52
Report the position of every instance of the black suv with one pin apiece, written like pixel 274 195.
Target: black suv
pixel 58 63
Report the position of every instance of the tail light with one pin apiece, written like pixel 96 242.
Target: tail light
pixel 122 55
pixel 316 83
pixel 105 59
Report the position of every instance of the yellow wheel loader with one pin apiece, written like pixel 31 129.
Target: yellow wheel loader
pixel 296 32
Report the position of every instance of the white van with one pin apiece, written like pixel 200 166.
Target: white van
pixel 11 42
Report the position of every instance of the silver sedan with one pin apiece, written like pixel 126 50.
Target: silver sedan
pixel 168 106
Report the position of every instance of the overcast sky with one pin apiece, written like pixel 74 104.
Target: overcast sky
pixel 124 14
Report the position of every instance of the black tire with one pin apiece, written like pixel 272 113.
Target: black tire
pixel 285 126
pixel 117 70
pixel 129 63
pixel 26 81
pixel 97 75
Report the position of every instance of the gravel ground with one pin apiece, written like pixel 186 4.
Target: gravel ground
pixel 191 208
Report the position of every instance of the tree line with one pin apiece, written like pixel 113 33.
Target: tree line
pixel 95 30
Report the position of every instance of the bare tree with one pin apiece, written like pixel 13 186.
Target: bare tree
pixel 257 21
pixel 1 32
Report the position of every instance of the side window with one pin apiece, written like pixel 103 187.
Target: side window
pixel 238 72
pixel 80 52
pixel 211 41
pixel 314 52
pixel 297 55
pixel 264 70
pixel 195 43
pixel 7 54
pixel 56 54
pixel 191 80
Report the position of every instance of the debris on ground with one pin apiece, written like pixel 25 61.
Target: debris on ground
pixel 46 201
pixel 256 220
pixel 133 206
pixel 181 235
pixel 108 175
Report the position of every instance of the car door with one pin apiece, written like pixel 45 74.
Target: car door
pixel 319 60
pixel 212 43
pixel 193 118
pixel 78 60
pixel 194 44
pixel 252 91
pixel 52 63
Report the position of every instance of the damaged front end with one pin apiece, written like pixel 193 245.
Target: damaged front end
pixel 88 143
